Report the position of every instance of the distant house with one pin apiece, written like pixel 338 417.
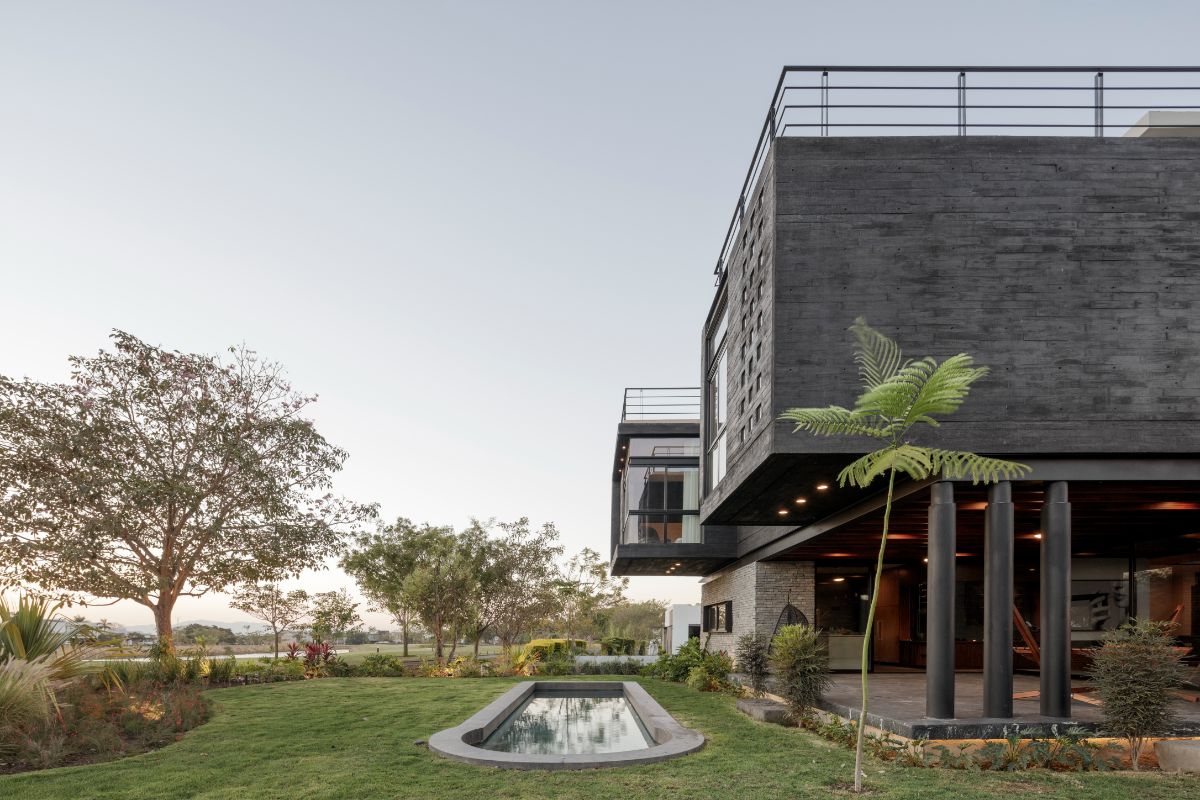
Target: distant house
pixel 375 637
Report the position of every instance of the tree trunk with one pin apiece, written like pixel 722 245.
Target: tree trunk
pixel 404 634
pixel 276 630
pixel 870 633
pixel 454 632
pixel 439 635
pixel 162 624
pixel 477 638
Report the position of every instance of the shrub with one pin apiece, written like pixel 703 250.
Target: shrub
pixel 699 668
pixel 222 670
pixel 1134 671
pixel 318 660
pixel 544 648
pixel 800 664
pixel 337 668
pixel 268 670
pixel 617 646
pixel 712 674
pixel 677 667
pixel 556 664
pixel 616 666
pixel 466 667
pixel 752 661
pixel 381 665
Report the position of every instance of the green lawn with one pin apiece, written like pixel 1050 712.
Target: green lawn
pixel 357 738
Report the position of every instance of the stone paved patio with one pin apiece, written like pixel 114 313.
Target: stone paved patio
pixel 898 705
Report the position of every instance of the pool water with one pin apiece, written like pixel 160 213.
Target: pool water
pixel 571 723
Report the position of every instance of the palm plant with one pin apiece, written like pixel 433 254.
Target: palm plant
pixel 897 396
pixel 24 695
pixel 32 632
pixel 39 653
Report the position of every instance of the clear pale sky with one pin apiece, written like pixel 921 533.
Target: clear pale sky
pixel 467 226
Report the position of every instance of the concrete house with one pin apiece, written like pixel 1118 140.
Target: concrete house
pixel 1055 240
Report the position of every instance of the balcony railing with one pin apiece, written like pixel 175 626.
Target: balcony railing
pixel 966 101
pixel 661 404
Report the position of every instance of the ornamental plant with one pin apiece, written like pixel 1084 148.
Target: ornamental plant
pixel 752 662
pixel 800 664
pixel 1134 672
pixel 898 396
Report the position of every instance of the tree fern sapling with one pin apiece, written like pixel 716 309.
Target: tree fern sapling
pixel 897 396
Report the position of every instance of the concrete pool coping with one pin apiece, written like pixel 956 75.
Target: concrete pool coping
pixel 671 739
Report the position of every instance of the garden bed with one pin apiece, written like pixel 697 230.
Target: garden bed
pixel 93 724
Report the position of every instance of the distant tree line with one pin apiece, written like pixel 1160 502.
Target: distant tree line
pixel 152 474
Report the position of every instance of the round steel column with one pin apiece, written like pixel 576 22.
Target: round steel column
pixel 998 603
pixel 1056 602
pixel 939 604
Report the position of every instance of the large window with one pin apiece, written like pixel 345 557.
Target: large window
pixel 660 491
pixel 717 398
pixel 661 503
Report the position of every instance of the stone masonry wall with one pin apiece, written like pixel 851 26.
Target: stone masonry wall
pixel 759 592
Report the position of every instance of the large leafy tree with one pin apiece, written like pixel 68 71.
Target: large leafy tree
pixel 516 574
pixel 585 590
pixel 153 474
pixel 640 620
pixel 380 562
pixel 267 602
pixel 334 615
pixel 899 395
pixel 440 582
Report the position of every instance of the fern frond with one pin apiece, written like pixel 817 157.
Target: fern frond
pixel 943 390
pixel 877 356
pixel 907 459
pixel 833 421
pixel 980 469
pixel 894 397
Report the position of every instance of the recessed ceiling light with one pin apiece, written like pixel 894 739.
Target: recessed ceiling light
pixel 1037 536
pixel 838 579
pixel 801 501
pixel 926 560
pixel 822 487
pixel 783 512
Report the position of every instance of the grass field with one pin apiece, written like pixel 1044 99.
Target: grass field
pixel 358 738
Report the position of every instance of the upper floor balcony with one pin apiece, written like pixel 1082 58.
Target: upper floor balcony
pixel 661 404
pixel 656 487
pixel 831 101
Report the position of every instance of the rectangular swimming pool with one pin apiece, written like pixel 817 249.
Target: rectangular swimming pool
pixel 571 723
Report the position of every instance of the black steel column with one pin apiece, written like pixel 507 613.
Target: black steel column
pixel 998 603
pixel 1056 602
pixel 939 604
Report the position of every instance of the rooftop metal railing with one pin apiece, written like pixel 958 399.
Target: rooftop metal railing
pixel 660 403
pixel 964 101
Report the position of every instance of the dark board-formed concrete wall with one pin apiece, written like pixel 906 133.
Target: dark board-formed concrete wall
pixel 1070 266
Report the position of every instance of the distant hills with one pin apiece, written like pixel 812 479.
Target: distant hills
pixel 236 627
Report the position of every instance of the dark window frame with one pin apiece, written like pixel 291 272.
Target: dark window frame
pixel 718 617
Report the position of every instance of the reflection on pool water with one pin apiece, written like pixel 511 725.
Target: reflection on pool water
pixel 571 724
